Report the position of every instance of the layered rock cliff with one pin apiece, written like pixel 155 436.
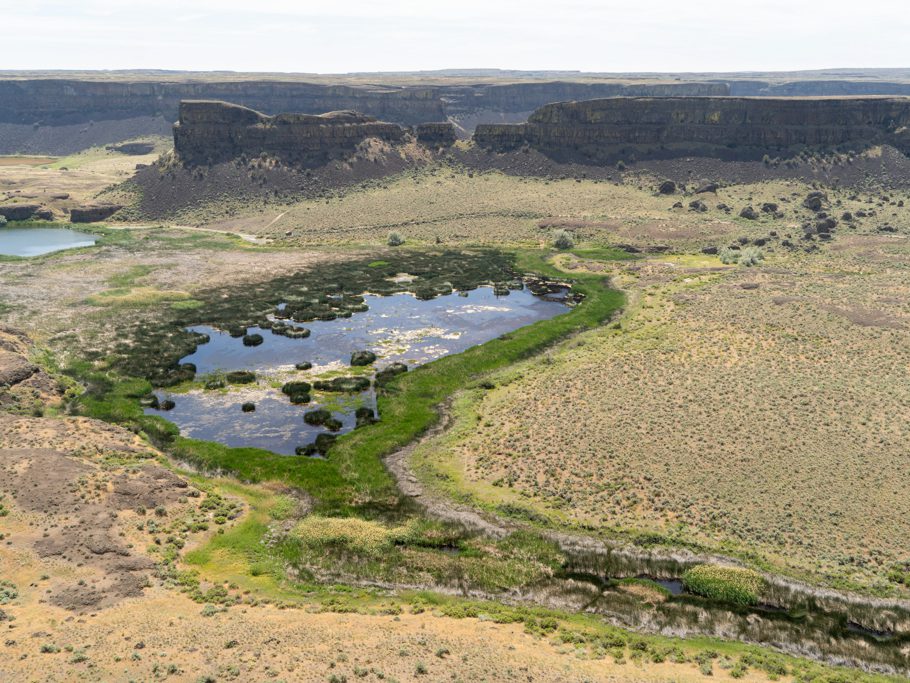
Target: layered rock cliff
pixel 59 102
pixel 208 131
pixel 726 127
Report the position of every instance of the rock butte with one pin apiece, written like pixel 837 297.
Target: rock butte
pixel 710 126
pixel 594 130
pixel 212 131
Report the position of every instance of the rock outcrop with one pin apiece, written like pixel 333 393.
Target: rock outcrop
pixel 64 115
pixel 208 132
pixel 51 102
pixel 436 134
pixel 19 212
pixel 725 127
pixel 93 213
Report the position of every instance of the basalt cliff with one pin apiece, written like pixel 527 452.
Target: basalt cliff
pixel 725 127
pixel 59 113
pixel 208 132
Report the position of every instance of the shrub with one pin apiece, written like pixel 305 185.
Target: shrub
pixel 562 239
pixel 317 417
pixel 3 221
pixel 728 256
pixel 751 256
pixel 361 358
pixel 728 584
pixel 395 239
pixel 8 592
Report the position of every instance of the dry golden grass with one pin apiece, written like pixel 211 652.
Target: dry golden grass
pixel 760 411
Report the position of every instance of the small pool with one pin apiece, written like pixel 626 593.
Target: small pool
pixel 37 241
pixel 398 329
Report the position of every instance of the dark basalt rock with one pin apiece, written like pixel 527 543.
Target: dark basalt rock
pixel 362 358
pixel 667 187
pixel 725 127
pixel 826 225
pixel 240 377
pixel 769 207
pixel 166 404
pixel 698 205
pixel 815 201
pixel 248 407
pixel 333 424
pixel 706 187
pixel 252 339
pixel 215 383
pixel 436 134
pixel 18 212
pixel 93 213
pixel 208 131
pixel 306 365
pixel 709 250
pixel 748 213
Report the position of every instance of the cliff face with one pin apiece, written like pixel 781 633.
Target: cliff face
pixel 59 102
pixel 436 134
pixel 523 97
pixel 214 131
pixel 716 126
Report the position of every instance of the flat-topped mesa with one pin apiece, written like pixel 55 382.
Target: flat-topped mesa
pixel 211 131
pixel 725 127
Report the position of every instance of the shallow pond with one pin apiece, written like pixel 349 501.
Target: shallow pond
pixel 397 328
pixel 38 241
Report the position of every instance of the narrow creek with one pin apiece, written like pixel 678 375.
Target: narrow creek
pixel 402 329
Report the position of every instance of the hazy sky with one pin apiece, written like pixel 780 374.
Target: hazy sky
pixel 332 36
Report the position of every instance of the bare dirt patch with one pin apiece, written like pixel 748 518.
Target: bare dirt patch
pixel 66 482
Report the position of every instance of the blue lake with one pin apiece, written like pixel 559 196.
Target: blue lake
pixel 38 241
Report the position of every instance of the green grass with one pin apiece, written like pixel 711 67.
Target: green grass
pixel 727 584
pixel 354 470
pixel 604 253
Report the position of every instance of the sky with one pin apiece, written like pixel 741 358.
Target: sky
pixel 329 36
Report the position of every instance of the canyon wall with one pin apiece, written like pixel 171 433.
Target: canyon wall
pixel 61 116
pixel 61 102
pixel 725 127
pixel 209 131
pixel 42 114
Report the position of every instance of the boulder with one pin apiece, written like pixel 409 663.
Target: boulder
pixel 748 213
pixel 815 201
pixel 667 187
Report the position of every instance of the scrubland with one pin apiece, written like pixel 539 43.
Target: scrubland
pixel 755 411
